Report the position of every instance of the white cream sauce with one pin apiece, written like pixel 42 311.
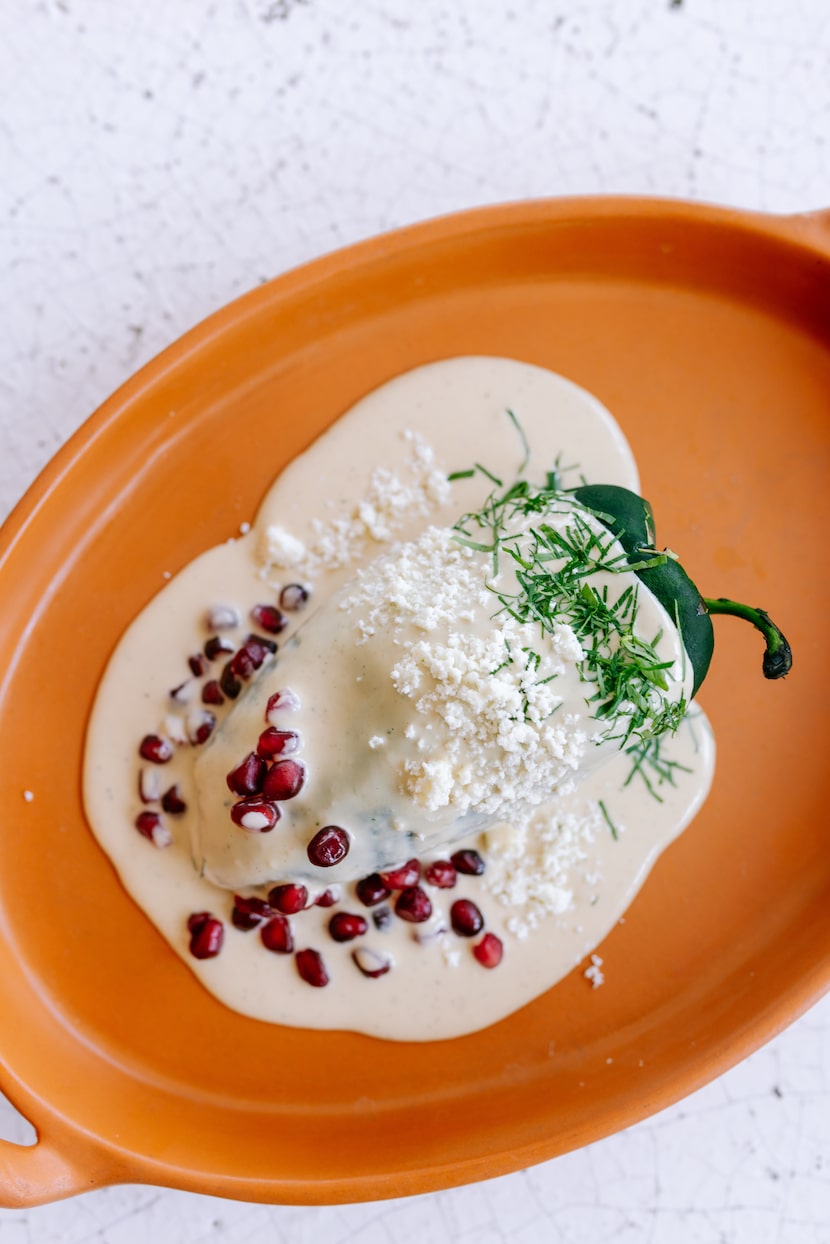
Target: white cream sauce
pixel 436 988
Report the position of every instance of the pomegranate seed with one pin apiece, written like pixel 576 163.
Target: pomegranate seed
pixel 259 647
pixel 270 618
pixel 329 897
pixel 183 692
pixel 199 664
pixel 276 935
pixel 222 618
pixel 328 846
pixel 413 904
pixel 344 927
pixel 466 918
pixel 249 912
pixel 284 780
pixel 217 646
pixel 274 742
pixel 468 862
pixel 155 749
pixel 294 596
pixel 149 787
pixel 229 682
pixel 255 814
pixel 243 664
pixel 382 918
pixel 289 899
pixel 152 826
pixel 371 890
pixel 489 951
pixel 280 701
pixel 212 693
pixel 371 962
pixel 172 801
pixel 196 920
pixel 441 873
pixel 247 777
pixel 311 967
pixel 200 726
pixel 401 878
pixel 207 937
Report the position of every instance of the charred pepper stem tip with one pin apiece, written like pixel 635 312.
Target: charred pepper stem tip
pixel 778 657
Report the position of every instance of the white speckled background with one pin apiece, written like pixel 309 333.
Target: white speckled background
pixel 159 158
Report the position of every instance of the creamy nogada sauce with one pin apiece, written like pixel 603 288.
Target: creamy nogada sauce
pixel 558 876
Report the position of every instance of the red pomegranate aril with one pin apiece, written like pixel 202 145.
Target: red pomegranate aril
pixel 294 596
pixel 149 786
pixel 248 913
pixel 243 664
pixel 284 780
pixel 329 897
pixel 288 898
pixel 206 937
pixel 196 920
pixel 229 683
pixel 199 664
pixel 255 815
pixel 408 874
pixel 200 726
pixel 468 862
pixel 441 874
pixel 259 646
pixel 218 646
pixel 247 777
pixel 372 890
pixel 489 951
pixel 413 904
pixel 150 825
pixel 273 742
pixel 311 968
pixel 280 701
pixel 173 802
pixel 345 927
pixel 212 693
pixel 155 749
pixel 328 846
pixel 270 618
pixel 465 918
pixel 222 618
pixel 371 962
pixel 276 935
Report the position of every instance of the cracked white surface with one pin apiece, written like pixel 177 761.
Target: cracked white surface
pixel 159 159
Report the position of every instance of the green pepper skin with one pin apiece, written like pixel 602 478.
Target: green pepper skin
pixel 630 518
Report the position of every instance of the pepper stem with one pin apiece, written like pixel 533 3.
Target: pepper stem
pixel 778 657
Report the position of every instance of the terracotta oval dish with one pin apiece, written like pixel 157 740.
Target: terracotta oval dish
pixel 707 333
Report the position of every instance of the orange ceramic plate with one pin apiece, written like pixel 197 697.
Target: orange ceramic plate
pixel 707 333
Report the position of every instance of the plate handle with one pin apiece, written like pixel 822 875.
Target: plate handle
pixel 39 1173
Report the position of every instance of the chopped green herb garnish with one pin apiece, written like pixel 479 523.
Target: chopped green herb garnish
pixel 614 831
pixel 554 563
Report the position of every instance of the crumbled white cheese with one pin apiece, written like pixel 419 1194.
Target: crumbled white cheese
pixel 376 741
pixel 390 501
pixel 594 972
pixel 532 864
pixel 28 795
pixel 485 688
pixel 281 549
